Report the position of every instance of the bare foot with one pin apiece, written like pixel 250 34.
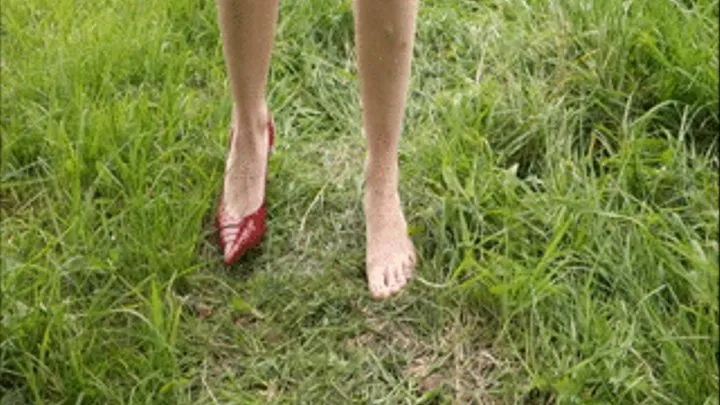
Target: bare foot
pixel 245 168
pixel 390 253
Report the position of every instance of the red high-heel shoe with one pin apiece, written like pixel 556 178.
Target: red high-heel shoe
pixel 251 228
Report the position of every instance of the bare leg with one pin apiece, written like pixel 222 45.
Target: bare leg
pixel 247 31
pixel 385 36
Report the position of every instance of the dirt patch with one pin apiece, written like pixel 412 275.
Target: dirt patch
pixel 454 361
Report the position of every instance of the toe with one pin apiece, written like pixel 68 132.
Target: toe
pixel 228 235
pixel 399 275
pixel 412 256
pixel 391 284
pixel 228 245
pixel 410 263
pixel 409 271
pixel 229 251
pixel 409 268
pixel 393 281
pixel 382 293
pixel 376 283
pixel 379 291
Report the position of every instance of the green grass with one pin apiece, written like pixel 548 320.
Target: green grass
pixel 560 173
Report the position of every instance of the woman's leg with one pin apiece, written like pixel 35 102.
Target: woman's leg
pixel 247 32
pixel 385 31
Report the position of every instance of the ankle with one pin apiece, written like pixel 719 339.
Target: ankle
pixel 381 179
pixel 250 127
pixel 382 205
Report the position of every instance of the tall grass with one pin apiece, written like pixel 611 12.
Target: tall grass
pixel 560 174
